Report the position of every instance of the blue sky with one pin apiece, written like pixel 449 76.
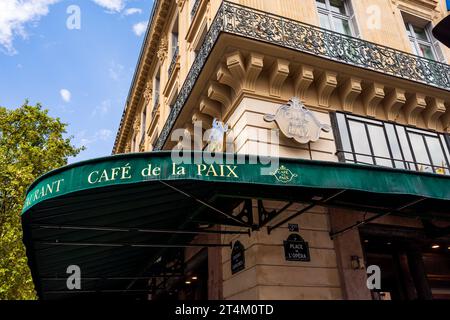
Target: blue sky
pixel 81 75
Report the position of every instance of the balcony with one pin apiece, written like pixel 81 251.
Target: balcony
pixel 195 8
pixel 262 26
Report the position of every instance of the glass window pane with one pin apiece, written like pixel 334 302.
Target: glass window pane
pixel 380 146
pixel 426 51
pixel 405 148
pixel 345 140
pixel 420 152
pixel 444 143
pixel 414 48
pixel 324 21
pixel 395 146
pixel 437 154
pixel 420 33
pixel 408 30
pixel 360 142
pixel 321 4
pixel 342 26
pixel 338 6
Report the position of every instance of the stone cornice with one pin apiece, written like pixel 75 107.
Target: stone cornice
pixel 149 50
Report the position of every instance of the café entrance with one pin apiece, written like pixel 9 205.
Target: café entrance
pixel 413 266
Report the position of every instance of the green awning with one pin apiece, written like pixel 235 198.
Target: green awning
pixel 145 167
pixel 125 219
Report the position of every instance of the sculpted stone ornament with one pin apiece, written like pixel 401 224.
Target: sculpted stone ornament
pixel 216 137
pixel 162 51
pixel 148 92
pixel 297 122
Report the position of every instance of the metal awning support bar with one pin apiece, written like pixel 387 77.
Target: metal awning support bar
pixel 117 229
pixel 333 235
pixel 303 210
pixel 133 245
pixel 116 278
pixel 204 203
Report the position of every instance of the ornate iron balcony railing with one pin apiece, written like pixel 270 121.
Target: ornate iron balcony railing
pixel 258 25
pixel 195 8
pixel 174 60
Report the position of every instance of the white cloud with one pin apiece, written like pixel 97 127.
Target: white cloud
pixel 140 28
pixel 15 15
pixel 104 134
pixel 103 109
pixel 65 95
pixel 115 71
pixel 111 5
pixel 83 139
pixel 131 11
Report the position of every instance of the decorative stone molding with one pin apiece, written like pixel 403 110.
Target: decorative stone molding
pixel 326 84
pixel 278 75
pixel 148 92
pixel 225 77
pixel 142 146
pixel 348 92
pixel 180 4
pixel 394 101
pixel 163 49
pixel 211 108
pixel 446 118
pixel 415 104
pixel 430 4
pixel 243 77
pixel 128 147
pixel 372 97
pixel 137 124
pixel 254 68
pixel 205 119
pixel 303 81
pixel 219 93
pixel 435 109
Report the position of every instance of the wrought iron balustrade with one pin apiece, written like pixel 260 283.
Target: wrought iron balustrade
pixel 195 8
pixel 258 25
pixel 174 60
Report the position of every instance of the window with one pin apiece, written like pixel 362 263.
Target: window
pixel 422 41
pixel 174 37
pixel 173 99
pixel 337 15
pixel 373 142
pixel 157 88
pixel 199 41
pixel 143 124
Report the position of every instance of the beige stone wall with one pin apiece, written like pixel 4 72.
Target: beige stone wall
pixel 391 32
pixel 252 135
pixel 269 276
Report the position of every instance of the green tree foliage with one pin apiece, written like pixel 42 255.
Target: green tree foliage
pixel 31 144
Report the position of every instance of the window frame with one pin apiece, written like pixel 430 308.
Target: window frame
pixel 157 86
pixel 352 156
pixel 330 14
pixel 415 41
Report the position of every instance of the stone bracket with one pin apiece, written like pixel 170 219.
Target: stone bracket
pixel 372 97
pixel 415 104
pixel 393 103
pixel 348 92
pixel 303 81
pixel 326 84
pixel 435 109
pixel 278 75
